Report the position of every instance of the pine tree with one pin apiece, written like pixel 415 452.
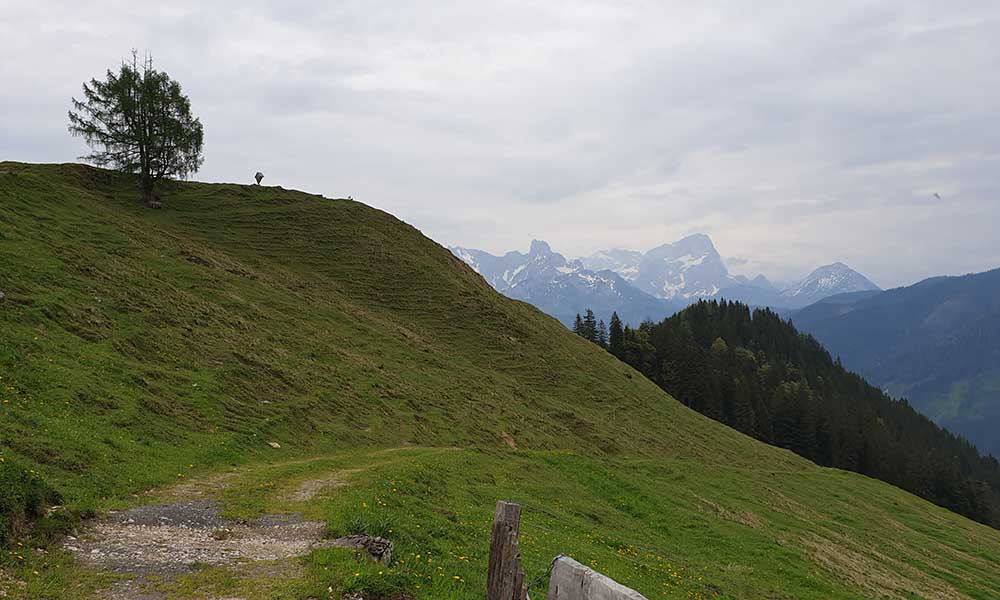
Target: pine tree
pixel 743 418
pixel 639 353
pixel 616 337
pixel 590 326
pixel 602 334
pixel 139 121
pixel 578 326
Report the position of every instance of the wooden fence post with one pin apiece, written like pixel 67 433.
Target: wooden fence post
pixel 505 578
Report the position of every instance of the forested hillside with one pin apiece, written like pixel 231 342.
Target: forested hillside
pixel 755 372
pixel 955 381
pixel 935 343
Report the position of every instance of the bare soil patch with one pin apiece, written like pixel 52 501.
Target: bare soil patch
pixel 881 575
pixel 206 487
pixel 310 488
pixel 156 543
pixel 744 517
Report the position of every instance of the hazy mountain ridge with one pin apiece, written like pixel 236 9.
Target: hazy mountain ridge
pixel 563 288
pixel 936 343
pixel 686 270
pixel 641 285
pixel 828 280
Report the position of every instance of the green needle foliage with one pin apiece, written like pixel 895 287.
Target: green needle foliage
pixel 139 121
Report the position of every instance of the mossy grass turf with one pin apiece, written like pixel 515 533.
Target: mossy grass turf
pixel 141 348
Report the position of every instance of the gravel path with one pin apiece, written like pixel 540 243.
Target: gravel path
pixel 184 530
pixel 164 541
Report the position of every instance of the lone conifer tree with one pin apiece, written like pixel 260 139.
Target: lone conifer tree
pixel 578 326
pixel 590 326
pixel 616 337
pixel 138 121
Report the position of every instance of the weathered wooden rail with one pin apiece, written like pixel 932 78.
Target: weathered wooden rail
pixel 569 580
pixel 572 581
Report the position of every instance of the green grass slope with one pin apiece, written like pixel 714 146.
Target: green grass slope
pixel 140 347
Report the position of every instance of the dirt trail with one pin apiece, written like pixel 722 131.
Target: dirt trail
pixel 168 539
pixel 152 544
pixel 310 488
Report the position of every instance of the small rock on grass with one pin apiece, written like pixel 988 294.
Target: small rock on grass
pixel 274 444
pixel 378 548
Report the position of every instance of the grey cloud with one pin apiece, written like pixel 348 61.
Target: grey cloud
pixel 794 134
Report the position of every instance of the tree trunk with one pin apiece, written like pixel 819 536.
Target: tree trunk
pixel 147 192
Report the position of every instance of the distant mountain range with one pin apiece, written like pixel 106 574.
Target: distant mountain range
pixel 564 288
pixel 936 343
pixel 684 271
pixel 650 285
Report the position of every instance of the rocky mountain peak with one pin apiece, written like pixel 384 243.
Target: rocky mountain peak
pixel 539 248
pixel 825 281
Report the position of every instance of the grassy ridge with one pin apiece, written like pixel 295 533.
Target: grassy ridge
pixel 140 347
pixel 243 314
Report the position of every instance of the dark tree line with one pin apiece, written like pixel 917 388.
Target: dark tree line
pixel 756 373
pixel 589 328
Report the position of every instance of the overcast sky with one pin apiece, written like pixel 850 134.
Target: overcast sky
pixel 793 133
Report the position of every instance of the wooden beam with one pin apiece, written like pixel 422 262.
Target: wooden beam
pixel 572 581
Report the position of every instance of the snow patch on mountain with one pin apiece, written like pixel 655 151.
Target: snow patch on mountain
pixel 649 284
pixel 685 270
pixel 561 287
pixel 466 257
pixel 828 280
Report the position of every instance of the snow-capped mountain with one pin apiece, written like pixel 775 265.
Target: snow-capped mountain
pixel 512 270
pixel 685 271
pixel 641 285
pixel 826 281
pixel 563 288
pixel 623 262
pixel 760 282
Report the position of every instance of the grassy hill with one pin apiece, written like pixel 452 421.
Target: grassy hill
pixel 139 348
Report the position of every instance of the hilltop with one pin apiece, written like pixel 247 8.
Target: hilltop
pixel 140 348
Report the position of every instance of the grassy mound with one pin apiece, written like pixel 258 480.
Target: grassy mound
pixel 141 347
pixel 24 498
